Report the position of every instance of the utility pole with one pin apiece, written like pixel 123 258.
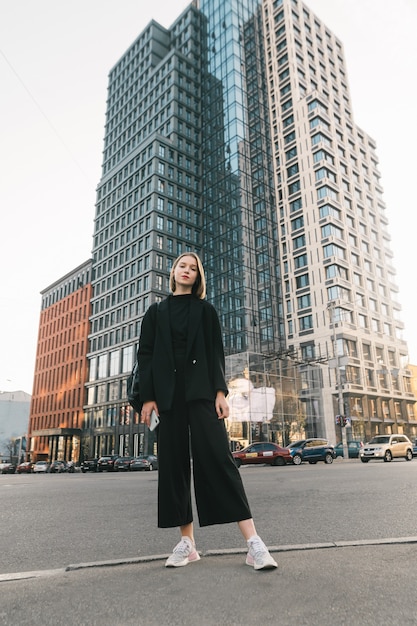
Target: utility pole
pixel 341 408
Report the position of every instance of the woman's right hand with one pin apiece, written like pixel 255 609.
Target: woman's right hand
pixel 147 408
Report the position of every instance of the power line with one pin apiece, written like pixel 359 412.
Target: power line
pixel 44 115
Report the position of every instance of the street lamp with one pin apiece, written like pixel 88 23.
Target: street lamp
pixel 341 409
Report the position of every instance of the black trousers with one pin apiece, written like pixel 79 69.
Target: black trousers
pixel 195 428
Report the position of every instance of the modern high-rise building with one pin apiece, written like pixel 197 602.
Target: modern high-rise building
pixel 231 133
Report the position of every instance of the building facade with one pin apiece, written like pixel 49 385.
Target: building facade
pixel 231 134
pixel 61 369
pixel 14 420
pixel 341 299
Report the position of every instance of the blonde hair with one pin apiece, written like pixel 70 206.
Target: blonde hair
pixel 199 287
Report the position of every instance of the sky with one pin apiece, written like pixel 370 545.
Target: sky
pixel 54 63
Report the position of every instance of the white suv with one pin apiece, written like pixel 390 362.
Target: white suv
pixel 387 447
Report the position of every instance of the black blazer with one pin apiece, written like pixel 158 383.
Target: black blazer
pixel 204 365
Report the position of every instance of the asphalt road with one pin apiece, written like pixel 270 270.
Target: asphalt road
pixel 84 549
pixel 52 521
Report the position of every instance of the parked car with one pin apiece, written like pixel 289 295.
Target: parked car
pixel 311 450
pixel 106 463
pixel 7 468
pixel 353 449
pixel 40 467
pixel 148 463
pixel 415 447
pixel 387 447
pixel 24 468
pixel 122 464
pixel 89 465
pixel 57 467
pixel 262 452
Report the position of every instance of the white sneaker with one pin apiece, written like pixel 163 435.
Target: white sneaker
pixel 183 553
pixel 258 554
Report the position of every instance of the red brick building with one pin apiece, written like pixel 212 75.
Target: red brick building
pixel 61 369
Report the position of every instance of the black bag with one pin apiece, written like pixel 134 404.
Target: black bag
pixel 133 389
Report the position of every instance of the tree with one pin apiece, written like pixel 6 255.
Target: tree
pixel 11 446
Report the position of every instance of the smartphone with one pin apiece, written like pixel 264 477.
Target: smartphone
pixel 154 421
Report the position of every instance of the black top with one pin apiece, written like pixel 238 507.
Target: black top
pixel 203 359
pixel 179 313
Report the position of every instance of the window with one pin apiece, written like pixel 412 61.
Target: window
pixel 350 348
pixel 353 375
pixel 308 351
pixel 328 209
pixel 292 170
pixel 333 250
pixel 370 285
pixel 323 172
pixel 319 122
pixel 290 137
pixel 294 187
pixel 297 223
pixel 326 191
pixel 302 281
pixel 303 302
pixel 329 230
pixel 366 349
pixel 102 366
pixel 320 138
pixel 369 378
pixel 333 271
pixel 288 121
pixel 114 362
pixel 127 358
pixel 316 104
pixel 299 242
pixel 322 155
pixel 300 261
pixel 306 322
pixel 363 320
pixel 336 292
pixel 295 205
pixel 290 154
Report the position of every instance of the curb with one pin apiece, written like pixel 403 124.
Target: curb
pixel 225 552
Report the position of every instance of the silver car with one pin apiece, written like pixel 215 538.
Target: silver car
pixel 40 467
pixel 387 447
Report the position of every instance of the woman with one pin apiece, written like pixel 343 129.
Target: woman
pixel 181 372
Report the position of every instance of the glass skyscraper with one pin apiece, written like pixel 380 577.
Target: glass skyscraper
pixel 231 133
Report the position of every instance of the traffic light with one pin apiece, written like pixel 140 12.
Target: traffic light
pixel 342 420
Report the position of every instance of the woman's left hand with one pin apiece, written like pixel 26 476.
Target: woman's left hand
pixel 222 406
pixel 147 408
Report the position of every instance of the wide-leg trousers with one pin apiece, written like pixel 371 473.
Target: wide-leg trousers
pixel 191 434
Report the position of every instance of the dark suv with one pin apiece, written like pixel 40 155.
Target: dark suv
pixel 311 450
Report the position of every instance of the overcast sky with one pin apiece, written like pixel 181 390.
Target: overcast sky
pixel 54 61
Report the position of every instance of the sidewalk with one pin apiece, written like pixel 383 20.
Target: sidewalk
pixel 358 583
